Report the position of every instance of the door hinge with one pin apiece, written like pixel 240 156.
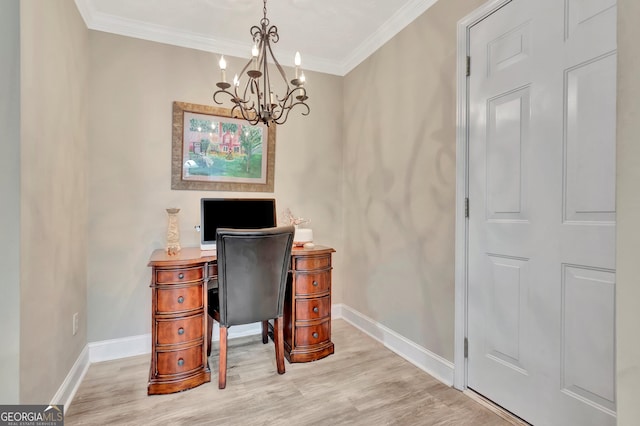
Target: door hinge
pixel 468 66
pixel 466 347
pixel 466 207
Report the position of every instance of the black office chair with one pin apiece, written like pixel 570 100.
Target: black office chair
pixel 252 277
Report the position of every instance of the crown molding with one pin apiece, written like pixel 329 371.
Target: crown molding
pixel 396 23
pixel 96 20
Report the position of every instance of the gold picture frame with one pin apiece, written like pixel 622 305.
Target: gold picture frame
pixel 213 151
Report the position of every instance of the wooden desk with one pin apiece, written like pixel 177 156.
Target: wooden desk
pixel 180 328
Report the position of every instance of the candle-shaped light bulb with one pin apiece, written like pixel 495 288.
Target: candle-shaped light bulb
pixel 302 79
pixel 223 67
pixel 271 97
pixel 236 82
pixel 254 53
pixel 297 61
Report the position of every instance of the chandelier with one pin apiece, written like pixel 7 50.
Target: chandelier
pixel 255 99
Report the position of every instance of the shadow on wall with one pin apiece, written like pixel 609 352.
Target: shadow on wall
pixel 400 201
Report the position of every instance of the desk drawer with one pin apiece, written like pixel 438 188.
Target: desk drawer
pixel 312 263
pixel 179 299
pixel 313 334
pixel 179 330
pixel 310 309
pixel 182 361
pixel 177 276
pixel 309 284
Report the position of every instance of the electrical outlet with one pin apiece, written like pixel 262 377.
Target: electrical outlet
pixel 75 323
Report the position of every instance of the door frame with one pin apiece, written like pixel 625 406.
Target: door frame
pixel 462 187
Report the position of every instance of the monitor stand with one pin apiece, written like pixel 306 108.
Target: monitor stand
pixel 208 248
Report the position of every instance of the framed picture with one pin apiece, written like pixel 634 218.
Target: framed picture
pixel 213 151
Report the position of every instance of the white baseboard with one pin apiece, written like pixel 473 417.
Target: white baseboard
pixel 107 350
pixel 70 385
pixel 433 364
pixel 336 311
pixel 237 331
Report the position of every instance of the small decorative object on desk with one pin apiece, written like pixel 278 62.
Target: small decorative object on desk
pixel 173 232
pixel 302 236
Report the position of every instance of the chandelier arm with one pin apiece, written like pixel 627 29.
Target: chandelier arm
pixel 256 106
pixel 277 112
pixel 217 92
pixel 302 92
pixel 256 33
pixel 266 76
pixel 285 103
pixel 245 99
pixel 304 113
pixel 242 71
pixel 303 104
pixel 282 118
pixel 285 112
pixel 244 114
pixel 306 107
pixel 272 34
pixel 279 67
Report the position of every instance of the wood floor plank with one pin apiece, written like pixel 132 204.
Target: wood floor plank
pixel 363 383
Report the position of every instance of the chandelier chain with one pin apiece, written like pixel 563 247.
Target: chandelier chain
pixel 264 21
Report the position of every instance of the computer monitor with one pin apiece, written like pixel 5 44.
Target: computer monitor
pixel 239 213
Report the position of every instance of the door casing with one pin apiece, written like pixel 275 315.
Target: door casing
pixel 462 187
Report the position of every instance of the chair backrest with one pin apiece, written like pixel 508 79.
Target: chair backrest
pixel 252 273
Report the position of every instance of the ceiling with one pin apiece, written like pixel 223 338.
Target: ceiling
pixel 333 36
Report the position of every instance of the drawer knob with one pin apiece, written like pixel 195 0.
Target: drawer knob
pixel 315 309
pixel 180 275
pixel 315 335
pixel 180 331
pixel 180 299
pixel 180 362
pixel 315 283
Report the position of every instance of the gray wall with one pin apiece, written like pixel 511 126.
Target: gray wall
pixel 133 85
pixel 10 195
pixel 628 206
pixel 53 171
pixel 399 160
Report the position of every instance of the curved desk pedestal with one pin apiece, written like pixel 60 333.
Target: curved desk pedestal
pixel 307 309
pixel 179 320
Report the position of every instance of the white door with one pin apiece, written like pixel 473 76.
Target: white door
pixel 541 275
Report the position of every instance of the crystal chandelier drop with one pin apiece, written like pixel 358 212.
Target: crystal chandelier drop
pixel 255 99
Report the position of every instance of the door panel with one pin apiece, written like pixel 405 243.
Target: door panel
pixel 587 334
pixel 508 130
pixel 590 141
pixel 509 49
pixel 508 301
pixel 541 272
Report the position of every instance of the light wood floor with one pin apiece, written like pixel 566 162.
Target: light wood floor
pixel 363 383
